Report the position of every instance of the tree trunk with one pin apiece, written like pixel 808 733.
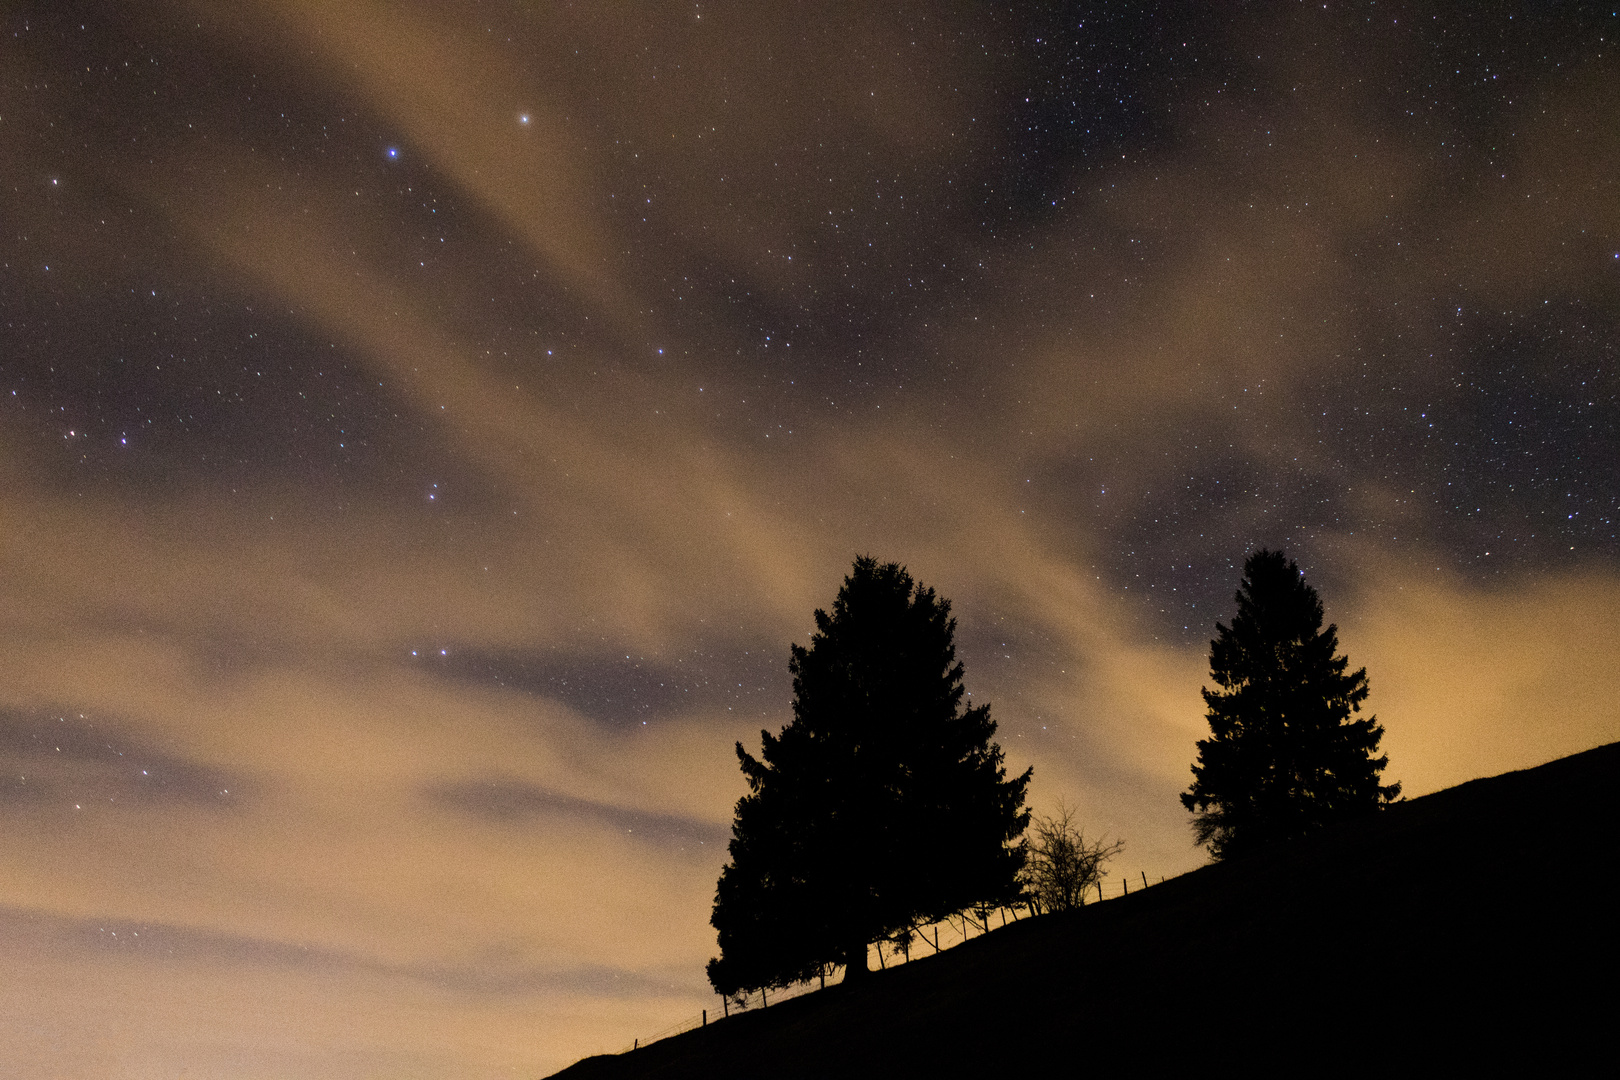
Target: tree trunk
pixel 855 962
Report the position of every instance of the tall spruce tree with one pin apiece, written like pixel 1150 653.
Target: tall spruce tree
pixel 883 805
pixel 1287 753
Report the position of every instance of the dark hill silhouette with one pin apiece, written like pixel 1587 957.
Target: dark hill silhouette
pixel 1473 923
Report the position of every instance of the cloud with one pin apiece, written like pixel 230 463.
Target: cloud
pixel 178 997
pixel 55 760
pixel 511 801
pixel 1471 683
pixel 178 946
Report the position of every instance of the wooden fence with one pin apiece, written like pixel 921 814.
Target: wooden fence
pixel 931 939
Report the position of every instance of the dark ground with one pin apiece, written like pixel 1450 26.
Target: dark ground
pixel 1478 925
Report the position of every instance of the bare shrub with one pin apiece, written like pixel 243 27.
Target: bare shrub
pixel 1062 865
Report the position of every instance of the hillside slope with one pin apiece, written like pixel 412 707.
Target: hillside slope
pixel 1476 921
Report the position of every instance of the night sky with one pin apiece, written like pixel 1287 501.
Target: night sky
pixel 424 428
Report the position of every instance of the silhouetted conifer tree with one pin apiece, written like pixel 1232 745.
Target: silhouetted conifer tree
pixel 1286 754
pixel 882 805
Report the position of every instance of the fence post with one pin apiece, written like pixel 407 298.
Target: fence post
pixel 1099 890
pixel 1144 879
pixel 635 1044
pixel 1125 884
pixel 705 1017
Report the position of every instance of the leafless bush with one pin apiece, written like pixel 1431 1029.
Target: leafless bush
pixel 1062 864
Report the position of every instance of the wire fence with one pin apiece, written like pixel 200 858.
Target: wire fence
pixel 927 941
